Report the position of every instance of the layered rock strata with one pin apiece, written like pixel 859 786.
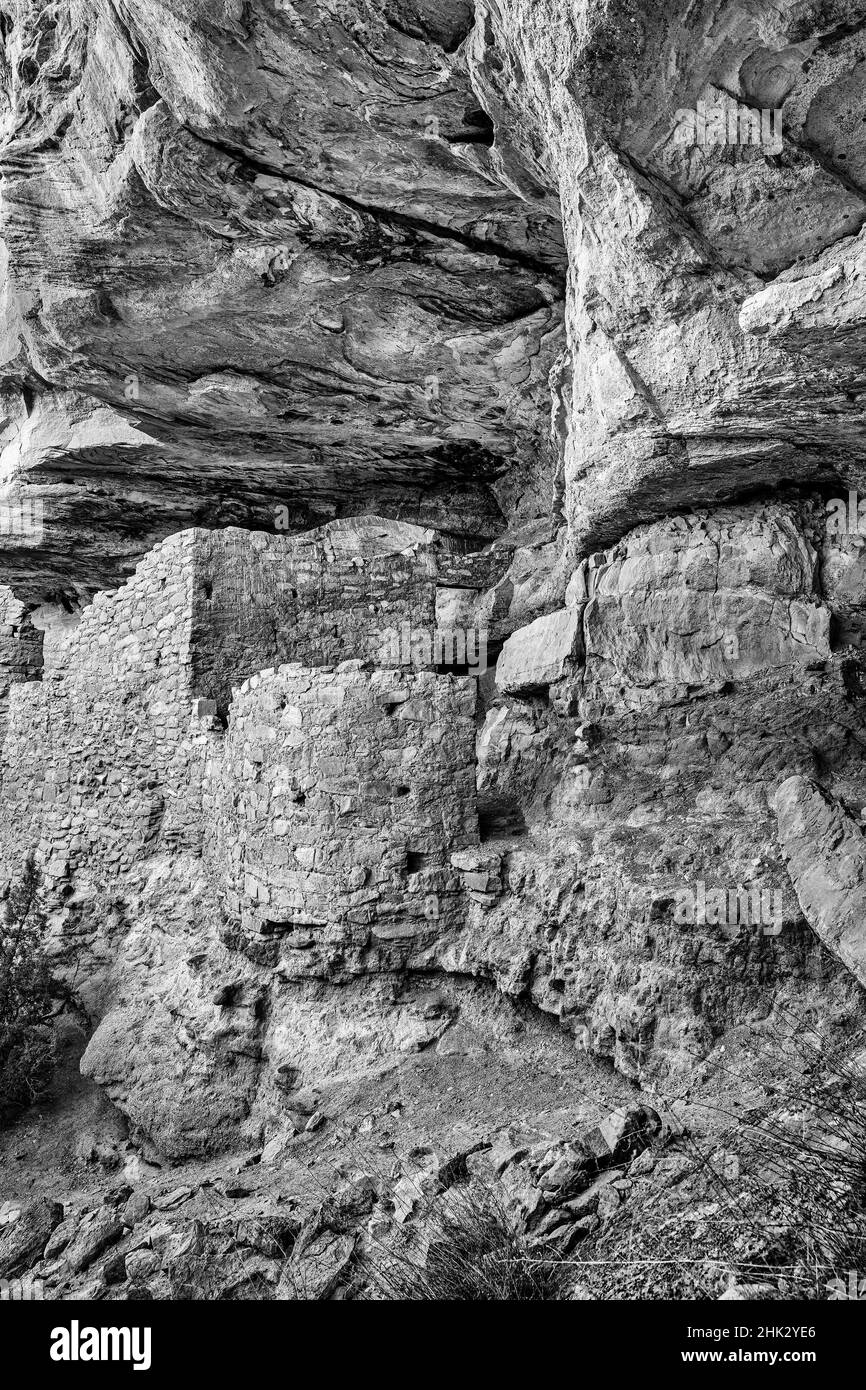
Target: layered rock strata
pixel 354 325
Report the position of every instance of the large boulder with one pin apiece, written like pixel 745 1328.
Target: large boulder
pixel 541 653
pixel 826 855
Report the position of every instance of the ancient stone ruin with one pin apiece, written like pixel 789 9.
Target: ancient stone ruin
pixel 433 595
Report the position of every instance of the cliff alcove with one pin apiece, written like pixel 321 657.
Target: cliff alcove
pixel 433 590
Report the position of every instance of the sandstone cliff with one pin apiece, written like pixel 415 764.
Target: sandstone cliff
pixel 433 582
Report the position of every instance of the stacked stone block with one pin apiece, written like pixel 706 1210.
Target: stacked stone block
pixel 340 798
pixel 102 760
pixel 321 598
pixel 109 756
pixel 20 648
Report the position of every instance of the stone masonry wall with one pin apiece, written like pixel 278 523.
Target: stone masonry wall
pixel 339 800
pixel 327 596
pixel 20 648
pixel 198 875
pixel 329 809
pixel 103 759
pixel 96 762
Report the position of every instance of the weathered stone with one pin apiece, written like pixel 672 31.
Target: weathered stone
pixel 114 1269
pixel 136 1209
pixel 61 1236
pixel 588 1201
pixel 277 1145
pixel 825 851
pixel 563 1170
pixel 537 655
pixel 141 1264
pixel 23 1241
pixel 286 487
pixel 687 604
pixel 175 1198
pixel 305 1101
pixel 94 1235
pixel 315 1271
pixel 629 1129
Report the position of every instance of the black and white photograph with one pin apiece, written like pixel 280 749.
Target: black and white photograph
pixel 433 668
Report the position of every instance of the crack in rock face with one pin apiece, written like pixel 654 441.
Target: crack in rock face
pixel 432 569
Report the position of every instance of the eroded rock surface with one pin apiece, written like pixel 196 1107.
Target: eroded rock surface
pixel 274 249
pixel 435 590
pixel 825 850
